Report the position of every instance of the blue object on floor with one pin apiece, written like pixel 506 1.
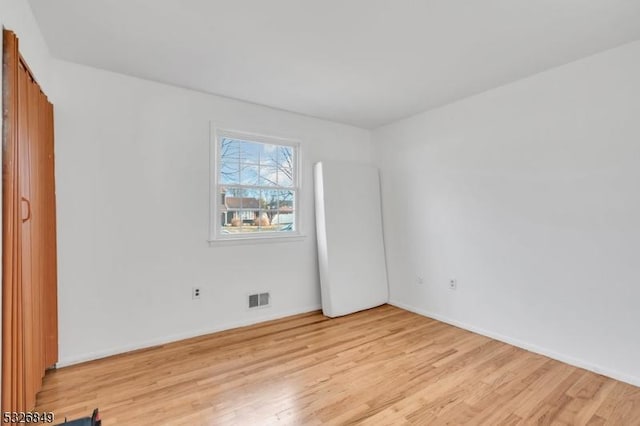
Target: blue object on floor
pixel 94 420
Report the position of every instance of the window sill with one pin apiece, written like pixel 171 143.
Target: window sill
pixel 268 239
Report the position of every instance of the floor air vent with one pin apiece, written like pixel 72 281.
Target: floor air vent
pixel 259 300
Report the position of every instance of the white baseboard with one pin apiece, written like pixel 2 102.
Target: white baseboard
pixel 632 380
pixel 91 356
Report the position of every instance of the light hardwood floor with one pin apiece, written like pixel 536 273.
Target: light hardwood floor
pixel 381 366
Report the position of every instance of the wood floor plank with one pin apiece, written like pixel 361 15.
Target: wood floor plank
pixel 377 367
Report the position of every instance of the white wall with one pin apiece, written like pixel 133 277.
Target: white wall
pixel 16 15
pixel 528 195
pixel 132 172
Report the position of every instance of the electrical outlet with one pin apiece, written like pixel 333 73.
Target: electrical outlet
pixel 196 293
pixel 453 283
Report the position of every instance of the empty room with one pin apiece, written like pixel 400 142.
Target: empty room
pixel 307 212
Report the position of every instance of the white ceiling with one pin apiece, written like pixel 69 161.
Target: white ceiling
pixel 362 62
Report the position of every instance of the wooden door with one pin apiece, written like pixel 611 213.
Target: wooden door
pixel 25 120
pixel 29 283
pixel 49 237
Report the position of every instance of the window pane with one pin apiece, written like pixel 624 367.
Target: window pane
pixel 263 222
pixel 285 166
pixel 269 204
pixel 229 149
pixel 249 175
pixel 286 199
pixel 229 171
pixel 270 199
pixel 285 213
pixel 250 152
pixel 285 177
pixel 268 176
pixel 250 210
pixel 254 211
pixel 269 155
pixel 239 208
pixel 285 156
pixel 251 199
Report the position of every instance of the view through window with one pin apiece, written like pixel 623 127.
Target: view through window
pixel 256 187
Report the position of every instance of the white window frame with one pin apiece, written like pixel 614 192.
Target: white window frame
pixel 215 234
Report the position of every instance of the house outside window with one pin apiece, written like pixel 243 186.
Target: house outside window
pixel 255 188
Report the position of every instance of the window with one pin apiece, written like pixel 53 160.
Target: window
pixel 255 186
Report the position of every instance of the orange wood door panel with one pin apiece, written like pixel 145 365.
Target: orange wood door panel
pixel 29 282
pixel 11 233
pixel 24 166
pixel 50 289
